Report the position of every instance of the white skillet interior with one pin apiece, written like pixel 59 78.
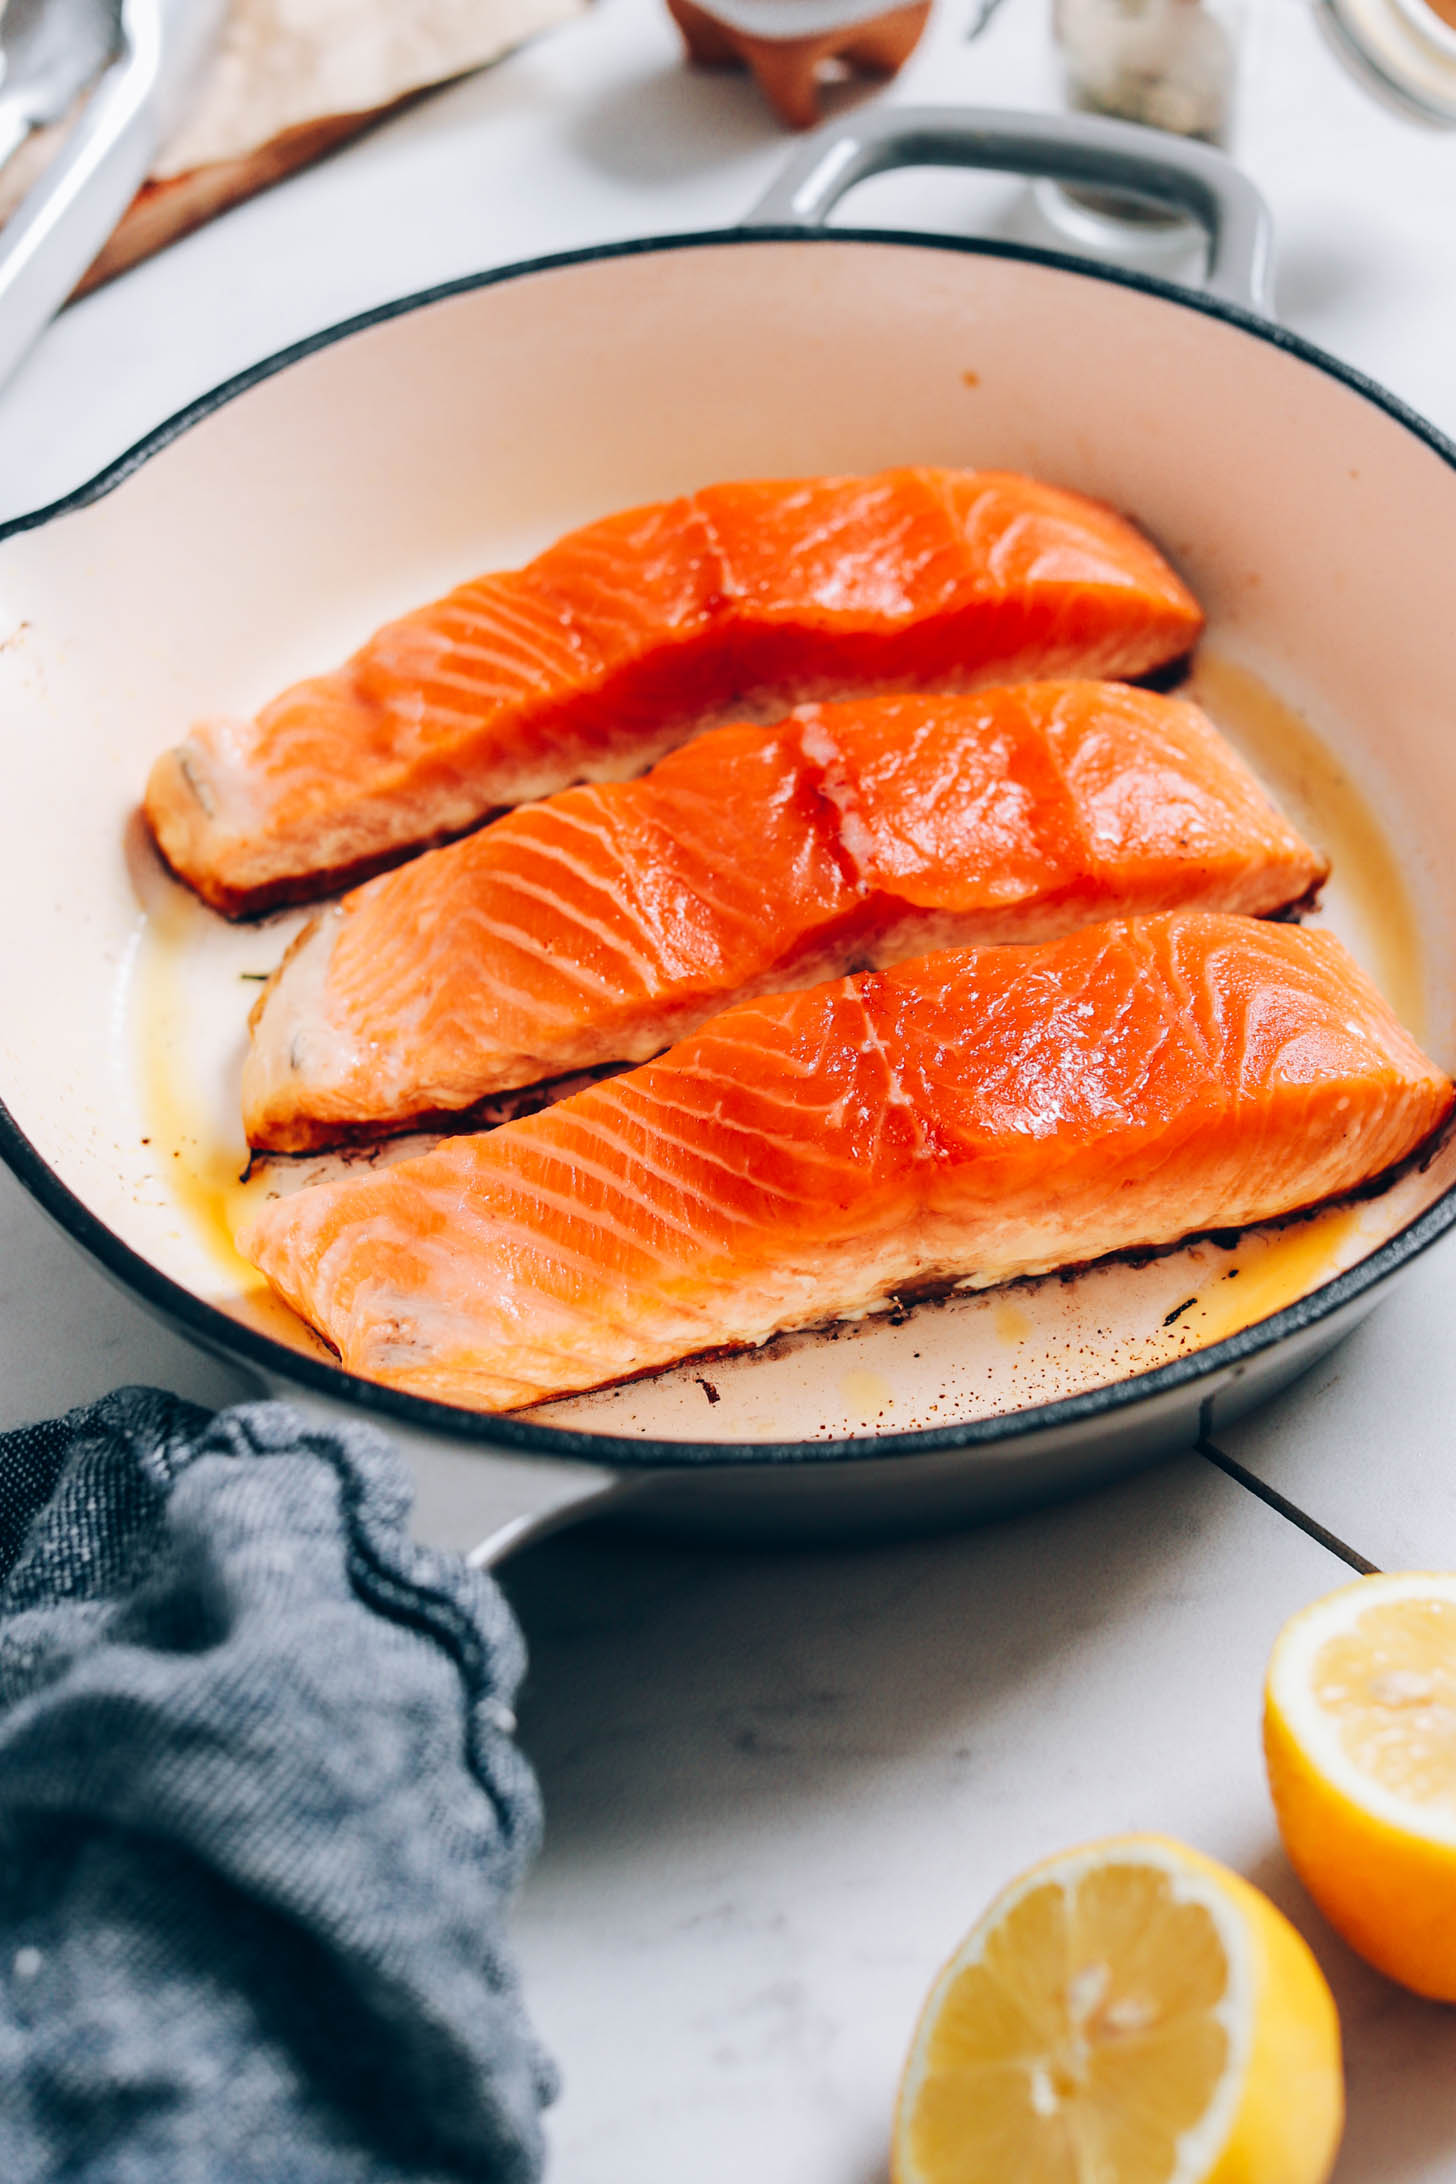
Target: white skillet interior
pixel 267 540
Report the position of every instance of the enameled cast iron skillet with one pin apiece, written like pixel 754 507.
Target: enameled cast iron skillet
pixel 263 532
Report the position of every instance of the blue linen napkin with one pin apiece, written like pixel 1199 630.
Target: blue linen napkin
pixel 260 1815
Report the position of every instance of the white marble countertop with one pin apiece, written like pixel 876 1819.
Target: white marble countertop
pixel 779 1786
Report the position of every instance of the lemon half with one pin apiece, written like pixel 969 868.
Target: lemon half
pixel 1126 2013
pixel 1360 1739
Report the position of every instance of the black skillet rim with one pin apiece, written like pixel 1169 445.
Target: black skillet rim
pixel 217 1332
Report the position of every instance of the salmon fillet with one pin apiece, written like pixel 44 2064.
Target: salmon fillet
pixel 606 922
pixel 966 1117
pixel 623 638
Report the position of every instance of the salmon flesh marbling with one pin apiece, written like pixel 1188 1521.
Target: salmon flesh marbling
pixel 964 1117
pixel 602 924
pixel 625 637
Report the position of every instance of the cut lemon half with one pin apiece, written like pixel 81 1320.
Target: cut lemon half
pixel 1360 1740
pixel 1126 2013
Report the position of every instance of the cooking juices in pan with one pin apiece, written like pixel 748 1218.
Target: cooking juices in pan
pixel 758 859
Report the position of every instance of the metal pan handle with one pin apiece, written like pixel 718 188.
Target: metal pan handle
pixel 1120 155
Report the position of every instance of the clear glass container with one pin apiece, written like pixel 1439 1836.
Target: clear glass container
pixel 1169 64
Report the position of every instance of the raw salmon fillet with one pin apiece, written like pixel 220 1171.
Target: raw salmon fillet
pixel 963 1118
pixel 608 921
pixel 623 638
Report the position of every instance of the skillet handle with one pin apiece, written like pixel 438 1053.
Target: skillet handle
pixel 1122 155
pixel 481 1501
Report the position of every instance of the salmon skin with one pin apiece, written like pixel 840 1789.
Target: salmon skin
pixel 606 922
pixel 624 638
pixel 965 1118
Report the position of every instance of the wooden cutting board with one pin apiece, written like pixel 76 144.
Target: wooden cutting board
pixel 292 79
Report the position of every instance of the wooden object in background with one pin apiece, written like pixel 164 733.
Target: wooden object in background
pixel 789 71
pixel 165 210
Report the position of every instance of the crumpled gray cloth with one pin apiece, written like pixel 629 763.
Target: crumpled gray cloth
pixel 260 1815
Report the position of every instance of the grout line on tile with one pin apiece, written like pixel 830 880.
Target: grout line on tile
pixel 1284 1508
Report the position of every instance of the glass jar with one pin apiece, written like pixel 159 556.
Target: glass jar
pixel 1169 64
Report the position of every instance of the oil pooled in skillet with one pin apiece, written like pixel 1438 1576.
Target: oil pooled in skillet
pixel 1377 917
pixel 971 1356
pixel 184 990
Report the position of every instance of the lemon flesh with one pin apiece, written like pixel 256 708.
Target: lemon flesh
pixel 1389 1686
pixel 1360 1741
pixel 1108 2022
